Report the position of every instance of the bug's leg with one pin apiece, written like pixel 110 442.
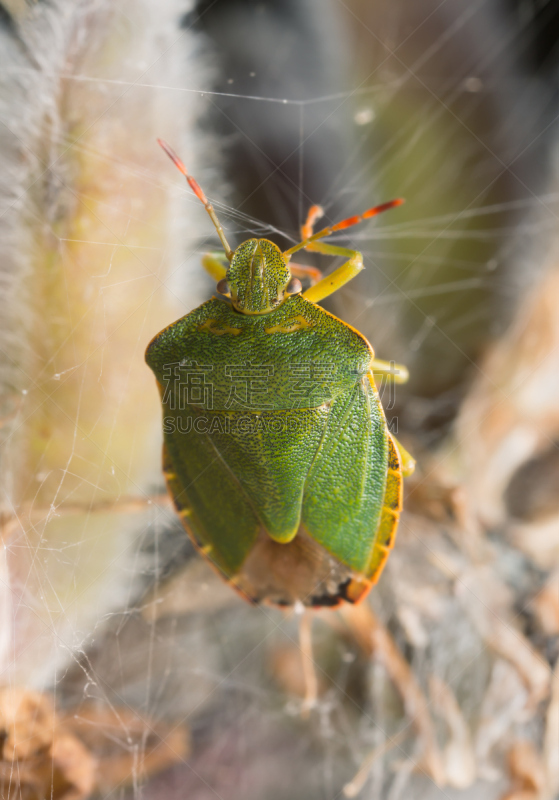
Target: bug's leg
pixel 309 672
pixel 397 372
pixel 331 283
pixel 315 212
pixel 198 191
pixel 354 263
pixel 406 459
pixel 216 264
pixel 305 271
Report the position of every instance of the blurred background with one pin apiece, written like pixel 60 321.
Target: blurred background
pixel 127 668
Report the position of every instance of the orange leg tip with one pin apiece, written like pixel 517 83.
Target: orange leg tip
pixel 372 212
pixel 347 223
pixel 197 189
pixel 315 212
pixel 173 156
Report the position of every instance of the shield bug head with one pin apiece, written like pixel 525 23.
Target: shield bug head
pixel 258 277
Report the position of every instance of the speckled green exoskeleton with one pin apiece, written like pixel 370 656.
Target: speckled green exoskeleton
pixel 276 449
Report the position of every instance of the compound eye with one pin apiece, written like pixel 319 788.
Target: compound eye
pixel 223 287
pixel 294 286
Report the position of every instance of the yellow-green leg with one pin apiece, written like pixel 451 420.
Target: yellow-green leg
pixel 406 459
pixel 397 372
pixel 216 264
pixel 331 283
pixel 305 271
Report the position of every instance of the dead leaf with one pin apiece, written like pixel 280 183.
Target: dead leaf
pixel 458 753
pixel 526 770
pixel 377 642
pixel 37 757
pixel 546 606
pixel 551 740
pixel 485 598
pixel 127 745
pixel 69 756
pixel 511 412
pixel 503 706
pixel 27 719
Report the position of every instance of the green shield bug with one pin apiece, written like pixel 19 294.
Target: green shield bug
pixel 276 449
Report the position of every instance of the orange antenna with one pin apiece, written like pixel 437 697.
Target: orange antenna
pixel 197 189
pixel 345 223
